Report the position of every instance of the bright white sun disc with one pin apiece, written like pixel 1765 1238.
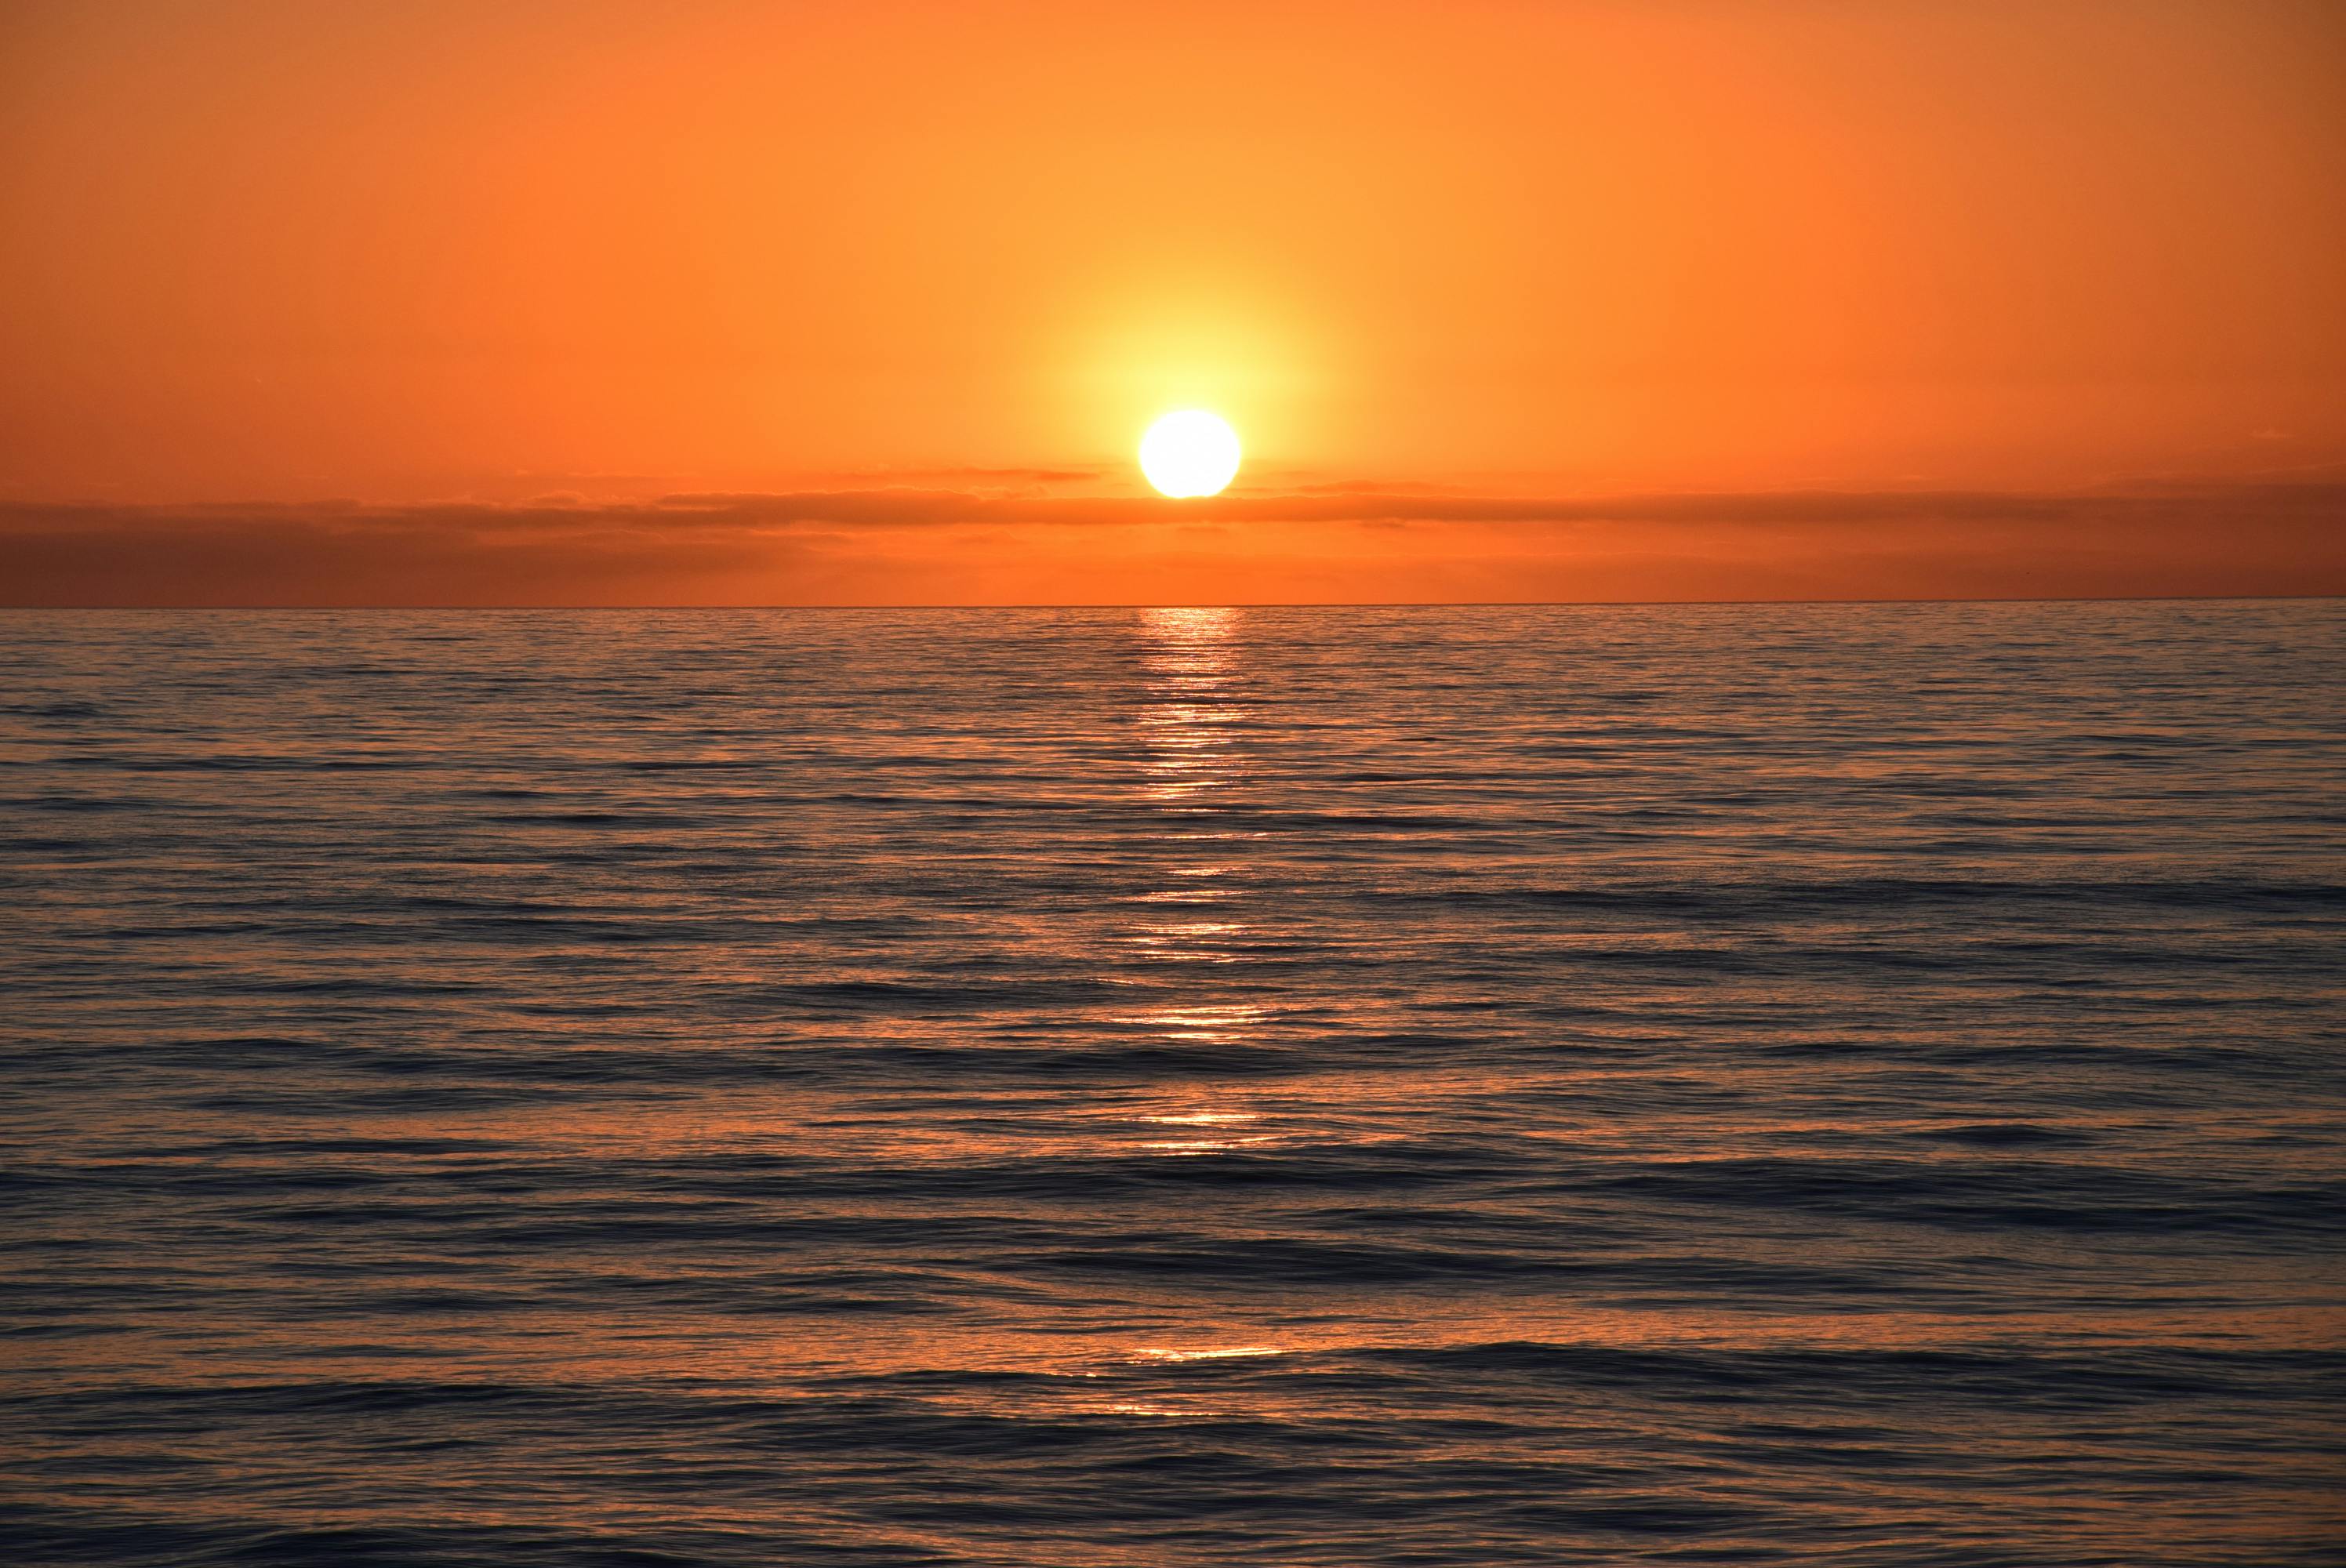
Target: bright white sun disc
pixel 1191 453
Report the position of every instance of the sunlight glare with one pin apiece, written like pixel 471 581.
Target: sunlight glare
pixel 1190 453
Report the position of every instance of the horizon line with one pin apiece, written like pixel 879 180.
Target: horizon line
pixel 1190 605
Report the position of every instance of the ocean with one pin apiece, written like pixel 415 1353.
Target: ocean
pixel 1840 1085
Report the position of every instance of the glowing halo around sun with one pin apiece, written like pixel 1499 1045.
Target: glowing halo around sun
pixel 1191 453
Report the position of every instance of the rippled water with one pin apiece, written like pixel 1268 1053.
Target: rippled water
pixel 1841 1085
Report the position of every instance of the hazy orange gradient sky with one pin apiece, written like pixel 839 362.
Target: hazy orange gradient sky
pixel 723 302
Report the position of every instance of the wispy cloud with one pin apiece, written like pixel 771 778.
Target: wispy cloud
pixel 975 474
pixel 910 543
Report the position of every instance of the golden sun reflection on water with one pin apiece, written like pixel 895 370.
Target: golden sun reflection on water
pixel 1220 1025
pixel 1192 713
pixel 1189 709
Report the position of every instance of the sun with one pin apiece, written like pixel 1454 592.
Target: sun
pixel 1191 453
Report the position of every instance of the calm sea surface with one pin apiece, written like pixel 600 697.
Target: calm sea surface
pixel 1817 1084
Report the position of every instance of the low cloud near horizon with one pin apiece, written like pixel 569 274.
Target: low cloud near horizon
pixel 1326 543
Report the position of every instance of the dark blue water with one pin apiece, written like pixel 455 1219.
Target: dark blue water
pixel 1818 1084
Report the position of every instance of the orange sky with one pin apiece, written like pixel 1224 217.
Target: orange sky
pixel 442 260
